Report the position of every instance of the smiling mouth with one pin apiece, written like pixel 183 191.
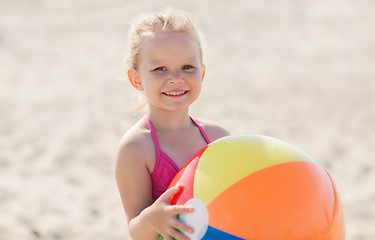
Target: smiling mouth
pixel 175 93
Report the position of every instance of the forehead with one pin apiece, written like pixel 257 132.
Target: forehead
pixel 169 46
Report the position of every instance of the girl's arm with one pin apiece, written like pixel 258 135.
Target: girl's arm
pixel 146 219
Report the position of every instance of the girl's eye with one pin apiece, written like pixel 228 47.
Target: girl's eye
pixel 187 67
pixel 160 69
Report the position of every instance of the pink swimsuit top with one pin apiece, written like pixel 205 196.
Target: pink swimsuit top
pixel 165 168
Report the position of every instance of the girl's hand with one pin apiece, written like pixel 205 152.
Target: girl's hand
pixel 163 216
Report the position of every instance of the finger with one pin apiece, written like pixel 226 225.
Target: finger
pixel 165 237
pixel 170 192
pixel 179 209
pixel 176 234
pixel 177 224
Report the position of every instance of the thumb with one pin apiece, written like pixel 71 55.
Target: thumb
pixel 170 192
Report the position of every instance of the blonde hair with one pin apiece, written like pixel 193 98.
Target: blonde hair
pixel 148 25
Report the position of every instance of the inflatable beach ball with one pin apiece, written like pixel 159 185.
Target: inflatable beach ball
pixel 256 187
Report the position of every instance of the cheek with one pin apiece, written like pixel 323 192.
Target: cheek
pixel 197 85
pixel 196 76
pixel 152 84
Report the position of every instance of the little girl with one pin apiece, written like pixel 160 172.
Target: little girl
pixel 165 63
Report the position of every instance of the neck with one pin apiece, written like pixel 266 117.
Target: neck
pixel 164 121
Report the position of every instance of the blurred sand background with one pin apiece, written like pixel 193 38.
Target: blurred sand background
pixel 301 71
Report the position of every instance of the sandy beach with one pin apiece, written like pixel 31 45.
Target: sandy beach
pixel 300 71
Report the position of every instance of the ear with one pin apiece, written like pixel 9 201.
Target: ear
pixel 203 71
pixel 134 79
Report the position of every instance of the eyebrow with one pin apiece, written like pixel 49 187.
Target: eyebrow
pixel 160 61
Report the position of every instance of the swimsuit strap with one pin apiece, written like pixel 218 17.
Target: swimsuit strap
pixel 155 137
pixel 201 130
pixel 153 134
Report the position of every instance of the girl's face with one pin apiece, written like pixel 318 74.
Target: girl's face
pixel 170 71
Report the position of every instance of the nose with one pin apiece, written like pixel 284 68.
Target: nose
pixel 176 78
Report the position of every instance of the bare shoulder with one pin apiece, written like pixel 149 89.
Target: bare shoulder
pixel 213 130
pixel 135 146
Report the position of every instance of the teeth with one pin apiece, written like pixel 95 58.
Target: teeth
pixel 174 93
